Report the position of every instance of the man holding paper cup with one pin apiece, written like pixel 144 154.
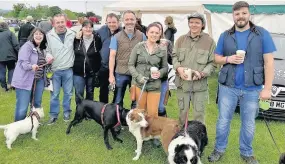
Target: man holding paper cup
pixel 245 51
pixel 193 60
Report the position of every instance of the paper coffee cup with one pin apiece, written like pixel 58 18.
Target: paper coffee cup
pixel 188 72
pixel 241 53
pixel 153 70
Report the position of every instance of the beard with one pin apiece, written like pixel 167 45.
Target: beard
pixel 130 25
pixel 241 24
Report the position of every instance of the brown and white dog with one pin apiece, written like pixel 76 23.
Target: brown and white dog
pixel 145 127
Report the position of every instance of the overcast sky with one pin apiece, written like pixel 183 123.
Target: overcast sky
pixel 79 6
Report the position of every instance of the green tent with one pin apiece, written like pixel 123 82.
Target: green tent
pixel 254 9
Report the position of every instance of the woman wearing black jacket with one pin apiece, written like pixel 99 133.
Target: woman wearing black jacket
pixel 87 61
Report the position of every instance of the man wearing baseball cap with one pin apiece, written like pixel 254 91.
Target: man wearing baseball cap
pixel 193 60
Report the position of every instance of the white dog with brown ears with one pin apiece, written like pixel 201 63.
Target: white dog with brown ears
pixel 145 127
pixel 29 124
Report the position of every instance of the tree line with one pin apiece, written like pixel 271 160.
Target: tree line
pixel 21 11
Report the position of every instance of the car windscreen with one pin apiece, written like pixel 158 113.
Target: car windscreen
pixel 279 41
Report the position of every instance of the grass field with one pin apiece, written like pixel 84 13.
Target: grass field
pixel 85 142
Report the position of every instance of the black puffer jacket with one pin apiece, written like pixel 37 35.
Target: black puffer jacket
pixel 25 31
pixel 93 54
pixel 9 45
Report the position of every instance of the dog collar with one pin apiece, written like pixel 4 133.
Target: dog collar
pixel 34 113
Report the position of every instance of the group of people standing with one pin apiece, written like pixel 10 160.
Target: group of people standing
pixel 126 57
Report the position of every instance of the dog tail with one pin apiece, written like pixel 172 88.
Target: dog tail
pixel 3 126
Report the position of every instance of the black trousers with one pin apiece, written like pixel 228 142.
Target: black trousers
pixel 104 86
pixel 4 65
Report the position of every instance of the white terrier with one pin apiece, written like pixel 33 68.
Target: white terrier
pixel 29 124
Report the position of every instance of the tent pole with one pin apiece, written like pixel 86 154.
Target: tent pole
pixel 209 23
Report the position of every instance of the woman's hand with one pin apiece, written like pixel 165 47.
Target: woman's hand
pixel 35 67
pixel 79 35
pixel 49 59
pixel 143 80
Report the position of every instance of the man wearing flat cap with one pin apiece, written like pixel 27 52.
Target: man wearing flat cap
pixel 193 60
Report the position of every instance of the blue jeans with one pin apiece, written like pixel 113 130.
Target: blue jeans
pixel 79 84
pixel 64 79
pixel 249 107
pixel 24 97
pixel 163 91
pixel 10 65
pixel 22 103
pixel 122 81
pixel 40 85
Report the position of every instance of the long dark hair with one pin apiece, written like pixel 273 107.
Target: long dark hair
pixel 44 41
pixel 162 30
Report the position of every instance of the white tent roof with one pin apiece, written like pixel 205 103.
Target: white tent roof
pixel 180 8
pixel 174 7
pixel 156 6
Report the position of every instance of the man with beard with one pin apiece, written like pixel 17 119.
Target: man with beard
pixel 106 32
pixel 120 50
pixel 241 79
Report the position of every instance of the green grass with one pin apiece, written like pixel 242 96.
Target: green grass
pixel 85 142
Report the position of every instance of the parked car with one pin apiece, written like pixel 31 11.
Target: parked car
pixel 277 103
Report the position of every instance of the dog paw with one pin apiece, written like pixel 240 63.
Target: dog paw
pixel 109 148
pixel 119 140
pixel 35 139
pixel 9 147
pixel 136 158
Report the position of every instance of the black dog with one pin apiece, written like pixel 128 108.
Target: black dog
pixel 282 159
pixel 92 109
pixel 188 147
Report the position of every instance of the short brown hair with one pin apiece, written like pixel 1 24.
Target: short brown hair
pixel 111 15
pixel 239 5
pixel 129 12
pixel 87 22
pixel 60 15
